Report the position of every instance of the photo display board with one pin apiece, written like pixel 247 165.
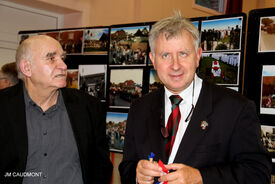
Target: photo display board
pixel 112 62
pixel 259 81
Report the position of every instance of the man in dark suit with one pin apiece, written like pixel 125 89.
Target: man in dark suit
pixel 215 134
pixel 48 133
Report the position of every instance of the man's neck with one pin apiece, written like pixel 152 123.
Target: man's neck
pixel 44 98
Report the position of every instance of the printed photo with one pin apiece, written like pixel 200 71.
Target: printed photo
pixel 196 23
pixel 220 68
pixel 71 41
pixel 115 130
pixel 221 34
pixel 268 138
pixel 92 79
pixel 54 35
pixel 268 90
pixel 154 82
pixel 96 41
pixel 128 45
pixel 72 78
pixel 125 86
pixel 267 34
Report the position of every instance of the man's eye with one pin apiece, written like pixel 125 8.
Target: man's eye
pixel 182 53
pixel 165 55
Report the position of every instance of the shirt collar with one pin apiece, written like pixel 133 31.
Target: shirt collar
pixel 186 94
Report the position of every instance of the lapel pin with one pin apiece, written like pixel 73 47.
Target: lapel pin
pixel 204 124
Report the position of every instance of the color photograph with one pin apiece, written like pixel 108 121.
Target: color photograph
pixel 96 41
pixel 221 68
pixel 154 82
pixel 71 41
pixel 54 35
pixel 268 90
pixel 92 79
pixel 115 130
pixel 125 86
pixel 268 138
pixel 128 45
pixel 72 78
pixel 267 34
pixel 221 34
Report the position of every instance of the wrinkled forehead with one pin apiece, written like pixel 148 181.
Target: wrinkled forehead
pixel 44 46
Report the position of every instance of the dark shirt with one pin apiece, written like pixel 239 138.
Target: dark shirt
pixel 52 152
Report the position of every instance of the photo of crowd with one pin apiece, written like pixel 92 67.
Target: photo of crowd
pixel 96 41
pixel 128 45
pixel 220 68
pixel 221 34
pixel 115 130
pixel 268 90
pixel 125 86
pixel 71 41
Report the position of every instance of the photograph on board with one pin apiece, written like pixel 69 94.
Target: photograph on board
pixel 221 34
pixel 125 86
pixel 268 90
pixel 267 34
pixel 96 41
pixel 221 68
pixel 92 79
pixel 128 45
pixel 71 41
pixel 115 130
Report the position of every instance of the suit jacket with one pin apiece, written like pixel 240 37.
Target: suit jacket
pixel 227 151
pixel 87 120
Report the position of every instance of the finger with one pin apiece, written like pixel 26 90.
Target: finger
pixel 170 177
pixel 174 166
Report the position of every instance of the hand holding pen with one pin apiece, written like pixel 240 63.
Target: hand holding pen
pixel 147 170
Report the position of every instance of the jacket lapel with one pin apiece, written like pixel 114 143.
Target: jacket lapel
pixel 194 132
pixel 155 123
pixel 17 115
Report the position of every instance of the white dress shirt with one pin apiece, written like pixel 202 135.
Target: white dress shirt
pixel 185 108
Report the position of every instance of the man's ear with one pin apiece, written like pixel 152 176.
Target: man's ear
pixel 152 58
pixel 25 67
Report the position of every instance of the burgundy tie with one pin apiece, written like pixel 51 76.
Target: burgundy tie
pixel 173 124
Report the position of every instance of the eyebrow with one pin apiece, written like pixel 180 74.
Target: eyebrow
pixel 50 54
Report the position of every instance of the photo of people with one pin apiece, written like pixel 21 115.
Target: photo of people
pixel 268 138
pixel 268 90
pixel 71 41
pixel 221 34
pixel 267 34
pixel 220 68
pixel 115 130
pixel 154 82
pixel 125 86
pixel 128 45
pixel 54 35
pixel 72 78
pixel 92 79
pixel 96 41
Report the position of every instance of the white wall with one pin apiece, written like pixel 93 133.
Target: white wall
pixel 15 18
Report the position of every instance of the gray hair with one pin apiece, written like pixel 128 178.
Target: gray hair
pixel 23 52
pixel 172 27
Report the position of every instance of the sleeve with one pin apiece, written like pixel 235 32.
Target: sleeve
pixel 127 167
pixel 249 161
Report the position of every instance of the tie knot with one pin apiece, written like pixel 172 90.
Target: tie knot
pixel 175 99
